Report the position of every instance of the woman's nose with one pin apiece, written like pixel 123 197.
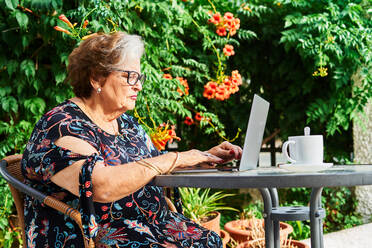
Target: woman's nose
pixel 138 86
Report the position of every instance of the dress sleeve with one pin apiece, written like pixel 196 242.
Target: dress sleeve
pixel 87 210
pixel 42 158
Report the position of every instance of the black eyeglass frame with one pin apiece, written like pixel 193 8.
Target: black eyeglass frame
pixel 140 77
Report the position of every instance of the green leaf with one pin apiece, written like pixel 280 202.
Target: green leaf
pixel 36 84
pixel 9 104
pixel 3 223
pixel 5 91
pixel 41 4
pixel 36 105
pixel 28 68
pixel 57 4
pixel 22 19
pixel 60 77
pixel 11 4
pixel 287 23
pixel 25 40
pixel 12 67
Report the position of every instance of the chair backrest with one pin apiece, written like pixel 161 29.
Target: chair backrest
pixel 14 169
pixel 10 169
pixel 13 174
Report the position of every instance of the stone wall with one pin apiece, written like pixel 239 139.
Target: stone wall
pixel 362 134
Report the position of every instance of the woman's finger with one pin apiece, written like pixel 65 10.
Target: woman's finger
pixel 226 145
pixel 212 158
pixel 237 153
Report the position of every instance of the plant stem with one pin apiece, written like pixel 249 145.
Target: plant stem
pixel 219 71
pixel 84 18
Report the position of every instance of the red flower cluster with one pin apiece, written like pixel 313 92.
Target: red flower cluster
pixel 198 116
pixel 222 91
pixel 162 134
pixel 167 76
pixel 185 84
pixel 227 22
pixel 188 121
pixel 228 50
pixel 182 81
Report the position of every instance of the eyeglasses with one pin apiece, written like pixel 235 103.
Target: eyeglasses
pixel 133 77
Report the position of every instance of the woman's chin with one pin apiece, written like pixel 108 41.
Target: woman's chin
pixel 128 107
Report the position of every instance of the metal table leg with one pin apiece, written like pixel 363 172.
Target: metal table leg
pixel 316 226
pixel 276 223
pixel 269 232
pixel 274 197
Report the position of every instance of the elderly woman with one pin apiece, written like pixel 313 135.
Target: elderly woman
pixel 90 154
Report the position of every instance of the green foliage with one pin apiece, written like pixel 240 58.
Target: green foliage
pixel 289 39
pixel 33 59
pixel 301 229
pixel 295 40
pixel 9 234
pixel 340 205
pixel 198 203
pixel 279 47
pixel 253 210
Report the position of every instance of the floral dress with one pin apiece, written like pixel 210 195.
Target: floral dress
pixel 141 219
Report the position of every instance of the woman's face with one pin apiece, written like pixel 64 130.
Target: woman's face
pixel 117 94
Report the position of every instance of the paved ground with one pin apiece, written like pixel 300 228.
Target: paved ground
pixel 356 237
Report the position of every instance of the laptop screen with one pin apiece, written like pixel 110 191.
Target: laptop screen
pixel 254 134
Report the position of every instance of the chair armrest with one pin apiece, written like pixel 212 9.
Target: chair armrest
pixel 170 205
pixel 18 184
pixel 47 200
pixel 63 208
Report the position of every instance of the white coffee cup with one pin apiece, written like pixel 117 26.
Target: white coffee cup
pixel 307 149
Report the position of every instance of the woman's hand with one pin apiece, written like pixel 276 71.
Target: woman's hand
pixel 194 157
pixel 226 151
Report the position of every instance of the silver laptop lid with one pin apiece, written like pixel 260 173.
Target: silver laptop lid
pixel 254 135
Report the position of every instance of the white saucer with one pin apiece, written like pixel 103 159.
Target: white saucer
pixel 306 167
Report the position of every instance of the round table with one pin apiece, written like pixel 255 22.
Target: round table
pixel 267 180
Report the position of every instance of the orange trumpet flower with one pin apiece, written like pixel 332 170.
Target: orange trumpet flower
pixel 58 28
pixel 65 20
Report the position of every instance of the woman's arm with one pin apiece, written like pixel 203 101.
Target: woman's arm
pixel 111 183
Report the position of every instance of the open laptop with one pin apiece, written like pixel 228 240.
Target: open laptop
pixel 252 142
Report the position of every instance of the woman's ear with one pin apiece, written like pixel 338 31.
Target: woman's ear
pixel 95 83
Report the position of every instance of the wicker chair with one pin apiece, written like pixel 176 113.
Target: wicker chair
pixel 10 169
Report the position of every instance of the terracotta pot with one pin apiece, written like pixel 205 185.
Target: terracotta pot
pixel 240 235
pixel 299 244
pixel 250 244
pixel 213 224
pixel 225 236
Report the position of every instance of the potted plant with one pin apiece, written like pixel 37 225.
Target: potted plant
pixel 256 237
pixel 202 207
pixel 260 243
pixel 250 225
